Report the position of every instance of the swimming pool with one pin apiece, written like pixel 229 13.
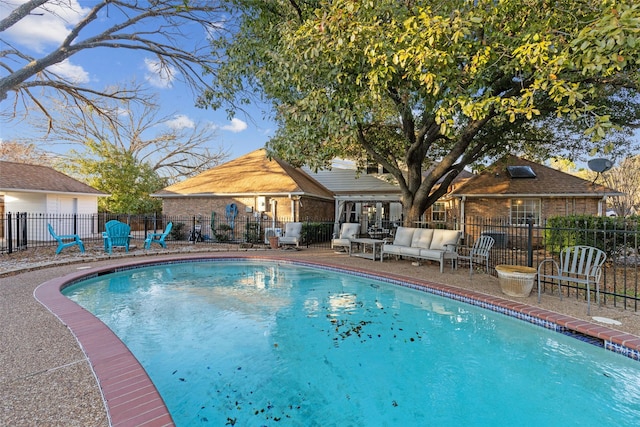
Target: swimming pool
pixel 295 345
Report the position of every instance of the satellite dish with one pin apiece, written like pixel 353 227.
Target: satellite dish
pixel 600 165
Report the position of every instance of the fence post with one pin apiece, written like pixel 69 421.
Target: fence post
pixel 23 222
pixel 9 234
pixel 307 233
pixel 530 242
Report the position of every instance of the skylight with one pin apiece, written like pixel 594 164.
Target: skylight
pixel 521 172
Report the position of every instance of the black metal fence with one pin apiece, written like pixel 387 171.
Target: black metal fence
pixel 21 231
pixel 524 245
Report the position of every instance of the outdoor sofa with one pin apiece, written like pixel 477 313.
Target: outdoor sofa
pixel 424 243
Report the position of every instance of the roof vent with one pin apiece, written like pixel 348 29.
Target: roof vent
pixel 521 172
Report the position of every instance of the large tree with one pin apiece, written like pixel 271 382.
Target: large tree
pixel 127 180
pixel 435 85
pixel 132 152
pixel 23 152
pixel 172 32
pixel 172 146
pixel 625 178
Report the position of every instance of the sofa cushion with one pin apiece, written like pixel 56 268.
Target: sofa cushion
pixel 409 251
pixel 341 242
pixel 422 238
pixel 349 230
pixel 432 254
pixel 392 249
pixel 442 238
pixel 403 236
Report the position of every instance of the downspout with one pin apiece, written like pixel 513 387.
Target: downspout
pixel 295 203
pixel 602 206
pixel 273 213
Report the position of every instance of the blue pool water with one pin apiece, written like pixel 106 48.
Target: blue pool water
pixel 250 344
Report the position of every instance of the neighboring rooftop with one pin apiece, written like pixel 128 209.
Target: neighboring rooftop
pixel 23 177
pixel 540 180
pixel 348 182
pixel 252 173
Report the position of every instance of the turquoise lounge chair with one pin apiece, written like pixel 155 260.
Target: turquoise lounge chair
pixel 117 234
pixel 158 237
pixel 71 240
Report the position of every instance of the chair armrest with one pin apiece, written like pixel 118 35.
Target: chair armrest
pixel 452 247
pixel 546 261
pixel 68 236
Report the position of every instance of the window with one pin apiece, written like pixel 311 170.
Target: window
pixel 524 209
pixel 438 212
pixel 375 168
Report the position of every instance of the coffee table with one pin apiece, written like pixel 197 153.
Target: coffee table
pixel 368 248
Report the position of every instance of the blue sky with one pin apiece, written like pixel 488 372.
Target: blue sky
pixel 39 34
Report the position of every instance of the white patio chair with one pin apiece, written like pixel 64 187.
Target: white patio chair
pixel 348 231
pixel 292 234
pixel 478 253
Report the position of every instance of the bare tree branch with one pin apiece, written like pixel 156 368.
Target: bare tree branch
pixel 173 151
pixel 155 28
pixel 20 12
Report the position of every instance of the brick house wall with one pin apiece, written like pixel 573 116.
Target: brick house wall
pixel 496 208
pixel 306 209
pixel 317 210
pixel 550 207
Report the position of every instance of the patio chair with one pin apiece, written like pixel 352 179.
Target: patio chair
pixel 292 234
pixel 158 237
pixel 478 253
pixel 579 265
pixel 348 231
pixel 106 227
pixel 66 240
pixel 117 234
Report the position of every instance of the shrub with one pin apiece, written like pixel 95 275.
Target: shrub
pixel 177 231
pixel 315 232
pixel 608 234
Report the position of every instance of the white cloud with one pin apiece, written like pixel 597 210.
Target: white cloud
pixel 74 73
pixel 48 25
pixel 214 29
pixel 235 126
pixel 180 122
pixel 159 75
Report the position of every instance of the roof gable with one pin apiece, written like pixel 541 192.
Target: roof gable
pixel 252 173
pixel 496 180
pixel 24 177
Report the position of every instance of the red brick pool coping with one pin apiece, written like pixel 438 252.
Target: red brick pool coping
pixel 131 399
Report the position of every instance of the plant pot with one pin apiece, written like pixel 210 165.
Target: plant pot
pixel 274 241
pixel 516 281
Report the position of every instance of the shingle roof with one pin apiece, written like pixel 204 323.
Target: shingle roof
pixel 41 179
pixel 496 181
pixel 347 181
pixel 252 173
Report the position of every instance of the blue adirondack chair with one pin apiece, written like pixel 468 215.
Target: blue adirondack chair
pixel 157 237
pixel 66 240
pixel 117 234
pixel 104 233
